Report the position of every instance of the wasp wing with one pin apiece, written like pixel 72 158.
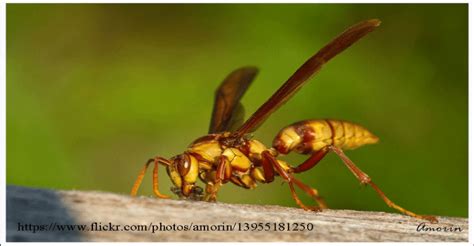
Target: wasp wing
pixel 305 72
pixel 237 118
pixel 228 112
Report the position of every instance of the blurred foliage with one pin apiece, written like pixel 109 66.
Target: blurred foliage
pixel 94 90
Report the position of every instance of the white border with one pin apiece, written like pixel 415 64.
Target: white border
pixel 3 106
pixel 238 1
pixel 471 148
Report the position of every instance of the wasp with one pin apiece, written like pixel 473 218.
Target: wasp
pixel 229 154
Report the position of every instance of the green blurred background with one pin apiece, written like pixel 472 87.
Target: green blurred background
pixel 95 90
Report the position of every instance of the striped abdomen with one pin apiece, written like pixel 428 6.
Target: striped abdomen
pixel 312 135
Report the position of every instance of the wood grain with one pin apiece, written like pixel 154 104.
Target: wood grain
pixel 28 207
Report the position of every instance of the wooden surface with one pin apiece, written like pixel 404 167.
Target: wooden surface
pixel 48 210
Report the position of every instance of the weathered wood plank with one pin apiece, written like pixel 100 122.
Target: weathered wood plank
pixel 50 209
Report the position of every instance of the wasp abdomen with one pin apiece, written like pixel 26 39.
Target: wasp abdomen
pixel 312 135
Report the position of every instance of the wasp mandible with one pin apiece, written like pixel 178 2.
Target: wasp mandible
pixel 229 154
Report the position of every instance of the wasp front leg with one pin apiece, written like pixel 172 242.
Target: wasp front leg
pixel 220 175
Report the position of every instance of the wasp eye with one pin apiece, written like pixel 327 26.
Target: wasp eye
pixel 183 164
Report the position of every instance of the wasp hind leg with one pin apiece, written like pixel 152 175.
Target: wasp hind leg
pixel 157 160
pixel 270 164
pixel 311 162
pixel 365 179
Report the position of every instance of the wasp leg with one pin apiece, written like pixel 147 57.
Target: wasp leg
pixel 211 192
pixel 213 187
pixel 267 157
pixel 365 179
pixel 311 192
pixel 139 180
pixel 311 161
pixel 299 202
pixel 268 171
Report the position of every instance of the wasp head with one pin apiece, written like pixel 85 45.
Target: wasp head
pixel 183 171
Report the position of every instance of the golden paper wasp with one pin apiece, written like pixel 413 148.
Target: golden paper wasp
pixel 228 153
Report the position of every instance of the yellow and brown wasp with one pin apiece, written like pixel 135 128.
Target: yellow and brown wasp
pixel 228 153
